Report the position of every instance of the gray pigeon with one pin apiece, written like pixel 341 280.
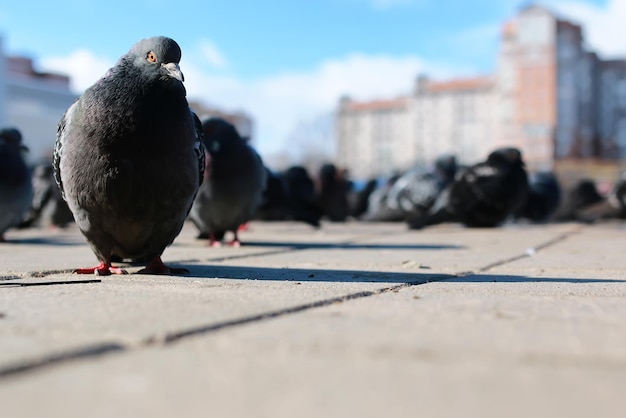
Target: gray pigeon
pixel 129 158
pixel 233 186
pixel 48 209
pixel 16 190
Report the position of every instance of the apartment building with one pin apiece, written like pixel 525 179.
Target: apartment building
pixel 549 96
pixel 32 101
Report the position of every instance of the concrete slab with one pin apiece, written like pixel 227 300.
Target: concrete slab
pixel 352 320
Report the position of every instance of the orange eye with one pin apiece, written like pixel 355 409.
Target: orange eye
pixel 151 57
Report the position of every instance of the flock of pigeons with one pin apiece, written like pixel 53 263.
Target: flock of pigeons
pixel 132 162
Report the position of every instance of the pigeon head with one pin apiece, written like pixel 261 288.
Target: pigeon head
pixel 446 166
pixel 220 136
pixel 12 137
pixel 158 54
pixel 328 173
pixel 507 156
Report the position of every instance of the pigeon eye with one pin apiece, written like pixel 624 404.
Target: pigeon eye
pixel 151 57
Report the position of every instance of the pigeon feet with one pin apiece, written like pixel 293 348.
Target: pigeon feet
pixel 156 266
pixel 235 243
pixel 102 269
pixel 214 242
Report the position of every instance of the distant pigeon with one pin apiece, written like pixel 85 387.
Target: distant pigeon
pixel 303 202
pixel 613 207
pixel 129 158
pixel 483 195
pixel 416 191
pixel 333 193
pixel 577 198
pixel 358 199
pixel 275 205
pixel 544 197
pixel 233 186
pixel 48 207
pixel 378 209
pixel 16 189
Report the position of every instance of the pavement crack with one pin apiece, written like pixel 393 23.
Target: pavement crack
pixel 51 283
pixel 529 252
pixel 209 328
pixel 109 348
pixel 92 351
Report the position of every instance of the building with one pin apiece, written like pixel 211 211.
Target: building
pixel 377 136
pixel 549 96
pixel 33 102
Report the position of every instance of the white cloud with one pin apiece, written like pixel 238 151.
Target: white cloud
pixel 212 54
pixel 282 102
pixel 83 66
pixel 603 26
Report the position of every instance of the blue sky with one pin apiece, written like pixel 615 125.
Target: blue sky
pixel 286 62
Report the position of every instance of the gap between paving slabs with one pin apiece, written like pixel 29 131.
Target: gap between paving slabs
pixel 108 348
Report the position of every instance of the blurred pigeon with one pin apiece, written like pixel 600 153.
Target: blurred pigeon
pixel 16 189
pixel 233 186
pixel 275 204
pixel 415 192
pixel 584 194
pixel 358 198
pixel 614 206
pixel 48 207
pixel 544 197
pixel 303 203
pixel 377 205
pixel 483 195
pixel 333 193
pixel 129 158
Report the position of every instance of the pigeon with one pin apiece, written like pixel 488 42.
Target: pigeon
pixel 234 183
pixel 483 195
pixel 611 207
pixel 275 204
pixel 333 193
pixel 129 159
pixel 358 198
pixel 303 202
pixel 48 207
pixel 583 195
pixel 16 189
pixel 378 209
pixel 544 197
pixel 414 193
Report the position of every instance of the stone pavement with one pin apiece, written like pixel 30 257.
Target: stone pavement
pixel 353 320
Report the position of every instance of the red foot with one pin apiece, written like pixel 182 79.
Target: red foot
pixel 213 242
pixel 102 269
pixel 156 266
pixel 235 242
pixel 243 227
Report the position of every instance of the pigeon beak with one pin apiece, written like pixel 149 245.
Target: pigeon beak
pixel 24 148
pixel 173 70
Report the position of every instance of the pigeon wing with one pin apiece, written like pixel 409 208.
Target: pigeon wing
pixel 62 130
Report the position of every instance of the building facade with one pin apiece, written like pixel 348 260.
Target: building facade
pixel 33 102
pixel 549 96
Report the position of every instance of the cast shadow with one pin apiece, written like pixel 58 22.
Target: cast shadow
pixel 351 246
pixel 360 276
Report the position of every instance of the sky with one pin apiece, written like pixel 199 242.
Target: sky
pixel 287 62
